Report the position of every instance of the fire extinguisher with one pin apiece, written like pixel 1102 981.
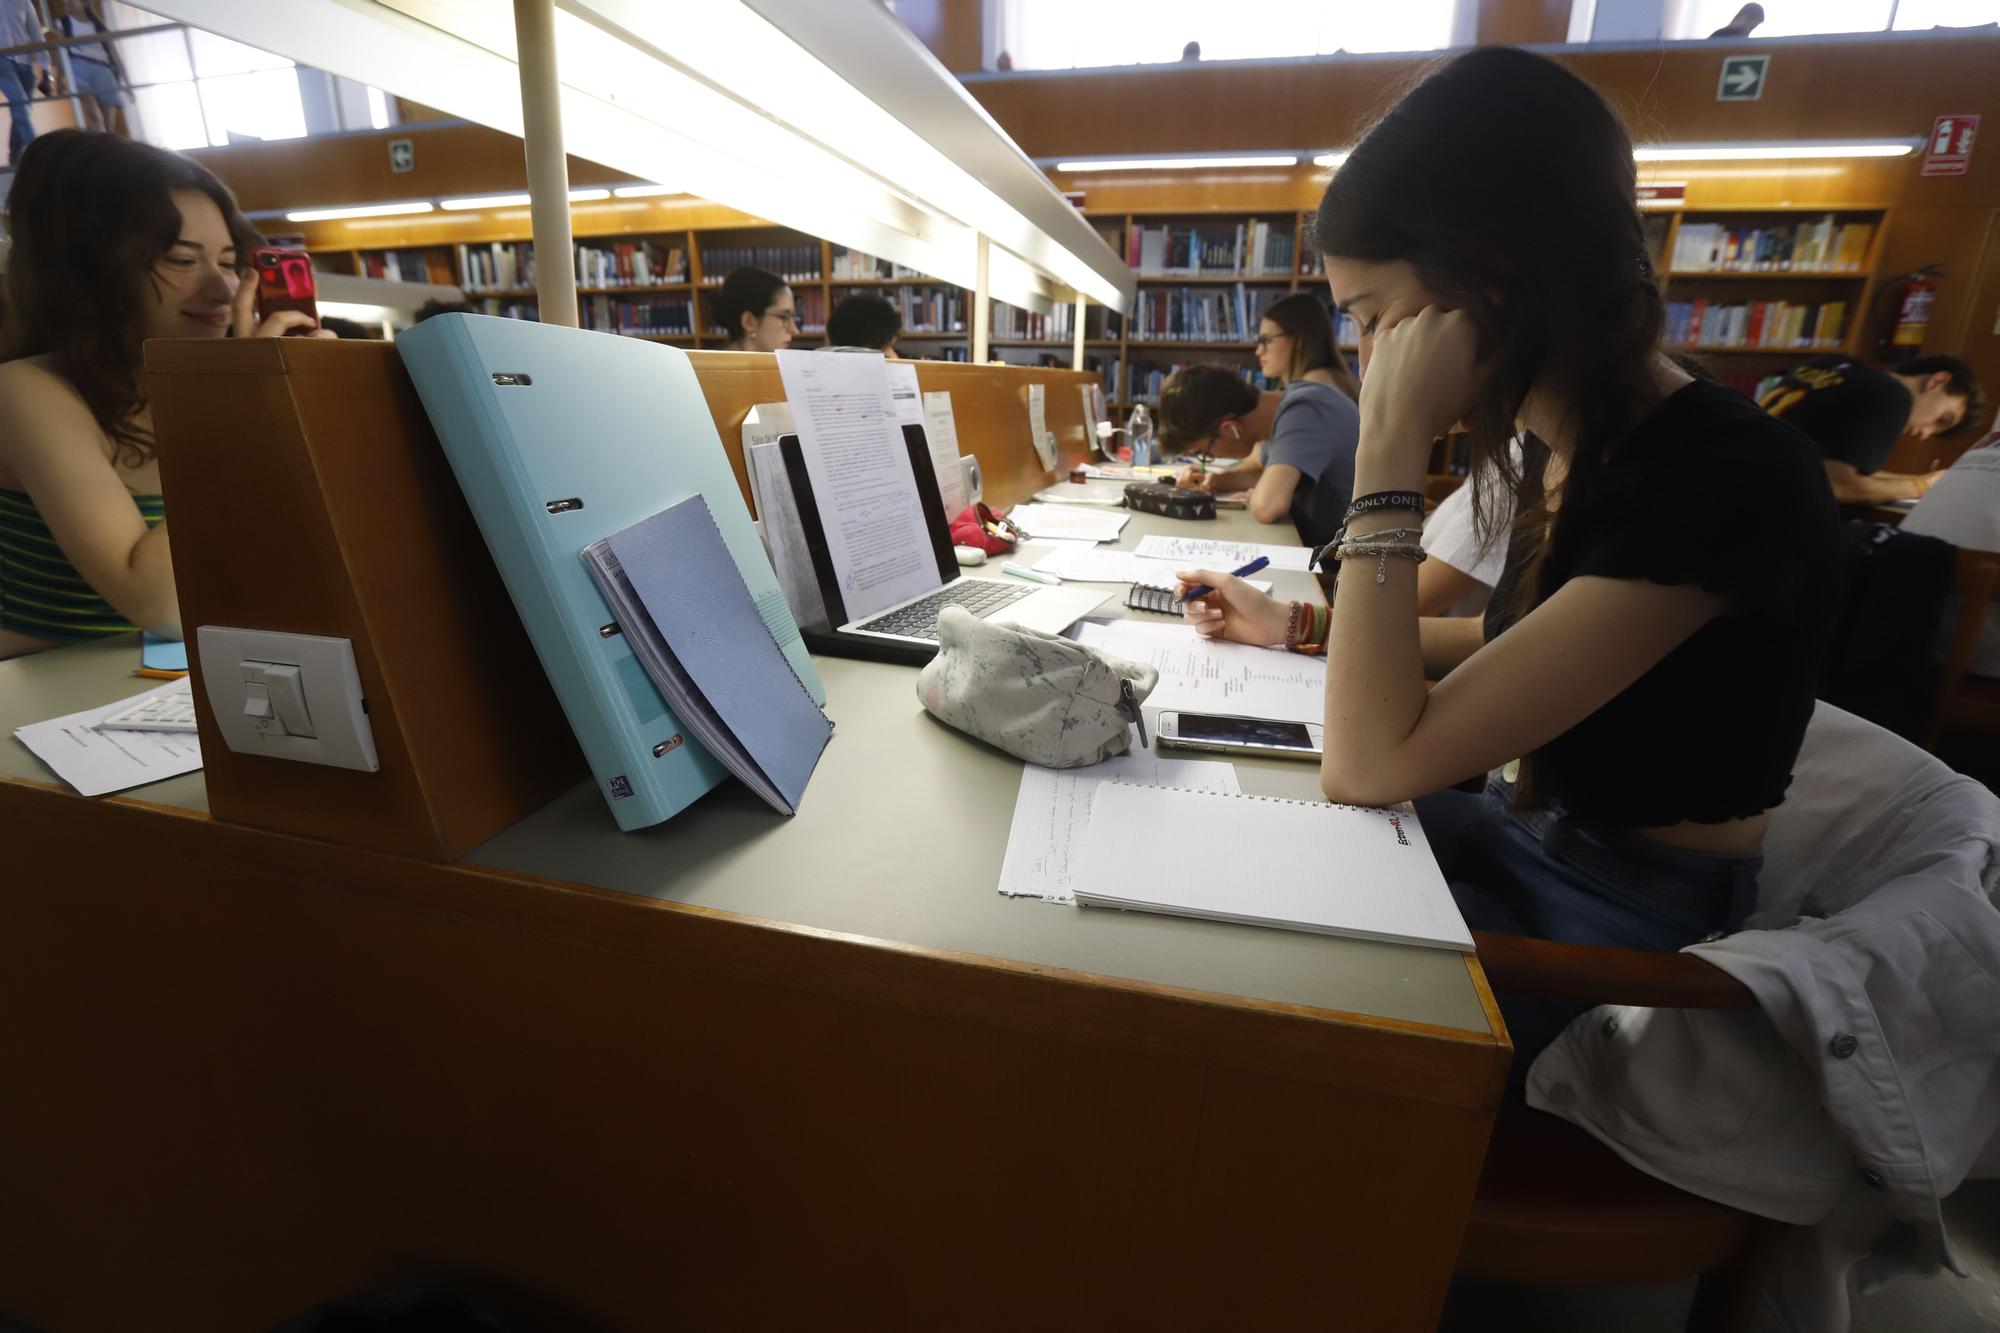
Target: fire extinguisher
pixel 1911 297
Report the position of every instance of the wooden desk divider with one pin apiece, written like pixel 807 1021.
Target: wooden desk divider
pixel 308 495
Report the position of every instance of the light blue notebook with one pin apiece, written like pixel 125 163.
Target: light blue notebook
pixel 688 615
pixel 559 437
pixel 158 654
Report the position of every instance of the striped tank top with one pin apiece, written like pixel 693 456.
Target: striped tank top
pixel 40 591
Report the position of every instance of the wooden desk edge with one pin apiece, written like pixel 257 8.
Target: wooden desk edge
pixel 1391 1057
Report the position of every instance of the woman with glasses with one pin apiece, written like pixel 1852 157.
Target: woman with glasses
pixel 1302 467
pixel 757 308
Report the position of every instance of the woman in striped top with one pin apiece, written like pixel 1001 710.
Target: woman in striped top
pixel 113 243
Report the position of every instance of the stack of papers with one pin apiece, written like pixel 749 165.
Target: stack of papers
pixel 1053 810
pixel 1071 522
pixel 1200 675
pixel 1087 564
pixel 95 760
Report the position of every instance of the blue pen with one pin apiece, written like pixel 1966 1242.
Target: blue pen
pixel 1203 590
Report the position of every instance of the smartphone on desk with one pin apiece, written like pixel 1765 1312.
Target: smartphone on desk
pixel 1241 735
pixel 285 282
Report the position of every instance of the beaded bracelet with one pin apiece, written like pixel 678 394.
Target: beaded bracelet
pixel 1292 625
pixel 1413 551
pixel 1312 638
pixel 1374 500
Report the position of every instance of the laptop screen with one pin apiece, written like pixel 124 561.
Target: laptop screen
pixel 839 609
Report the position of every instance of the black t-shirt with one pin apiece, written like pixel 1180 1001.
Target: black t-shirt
pixel 1854 413
pixel 1707 490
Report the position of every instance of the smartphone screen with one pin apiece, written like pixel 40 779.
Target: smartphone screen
pixel 285 282
pixel 1246 731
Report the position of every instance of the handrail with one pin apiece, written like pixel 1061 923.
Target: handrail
pixel 109 35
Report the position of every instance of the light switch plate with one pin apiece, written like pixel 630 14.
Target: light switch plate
pixel 327 676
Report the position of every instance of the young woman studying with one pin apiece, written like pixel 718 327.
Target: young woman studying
pixel 758 310
pixel 1302 466
pixel 113 243
pixel 1642 680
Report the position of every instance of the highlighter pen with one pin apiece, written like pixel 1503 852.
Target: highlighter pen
pixel 1203 590
pixel 1022 571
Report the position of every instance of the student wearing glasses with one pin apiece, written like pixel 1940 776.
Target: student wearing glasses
pixel 758 310
pixel 1302 467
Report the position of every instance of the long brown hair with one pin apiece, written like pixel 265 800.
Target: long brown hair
pixel 1508 184
pixel 1304 318
pixel 90 217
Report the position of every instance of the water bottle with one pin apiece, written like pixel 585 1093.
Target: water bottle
pixel 1140 428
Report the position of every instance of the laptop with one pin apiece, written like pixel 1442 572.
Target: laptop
pixel 906 631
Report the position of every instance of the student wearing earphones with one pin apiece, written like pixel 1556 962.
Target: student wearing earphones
pixel 1302 467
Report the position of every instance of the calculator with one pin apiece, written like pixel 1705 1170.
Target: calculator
pixel 1159 600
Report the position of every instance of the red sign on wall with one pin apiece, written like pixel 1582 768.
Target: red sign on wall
pixel 1949 152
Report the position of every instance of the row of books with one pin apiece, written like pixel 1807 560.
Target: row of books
pixel 1251 248
pixel 619 315
pixel 1198 314
pixel 499 266
pixel 527 310
pixel 1772 324
pixel 851 264
pixel 1823 246
pixel 396 265
pixel 809 304
pixel 793 263
pixel 1145 379
pixel 931 309
pixel 1014 322
pixel 630 264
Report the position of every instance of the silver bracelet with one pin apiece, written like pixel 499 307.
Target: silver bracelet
pixel 1363 546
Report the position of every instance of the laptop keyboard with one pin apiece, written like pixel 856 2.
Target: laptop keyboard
pixel 919 619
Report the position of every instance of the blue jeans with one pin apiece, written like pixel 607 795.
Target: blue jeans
pixel 1540 873
pixel 17 85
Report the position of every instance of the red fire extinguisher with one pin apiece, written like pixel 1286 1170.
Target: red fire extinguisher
pixel 1911 297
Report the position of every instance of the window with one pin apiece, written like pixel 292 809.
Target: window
pixel 1694 19
pixel 1068 34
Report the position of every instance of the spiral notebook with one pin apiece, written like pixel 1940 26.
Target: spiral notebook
pixel 1267 861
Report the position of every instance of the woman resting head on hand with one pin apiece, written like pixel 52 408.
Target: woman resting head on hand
pixel 1652 651
pixel 113 243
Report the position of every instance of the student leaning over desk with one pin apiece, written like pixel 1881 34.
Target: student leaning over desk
pixel 113 243
pixel 1651 651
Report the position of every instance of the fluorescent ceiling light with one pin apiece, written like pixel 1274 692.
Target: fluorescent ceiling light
pixel 1177 163
pixel 1749 152
pixel 1333 159
pixel 588 196
pixel 484 201
pixel 643 191
pixel 359 211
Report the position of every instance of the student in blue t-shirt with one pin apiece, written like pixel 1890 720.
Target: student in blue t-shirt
pixel 1302 467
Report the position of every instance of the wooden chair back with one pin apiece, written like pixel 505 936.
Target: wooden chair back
pixel 1955 701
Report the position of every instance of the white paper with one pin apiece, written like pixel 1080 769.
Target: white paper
pixel 1210 554
pixel 784 536
pixel 95 762
pixel 1052 813
pixel 1038 425
pixel 1072 522
pixel 861 476
pixel 1104 494
pixel 903 391
pixel 1091 564
pixel 1091 416
pixel 941 433
pixel 1199 675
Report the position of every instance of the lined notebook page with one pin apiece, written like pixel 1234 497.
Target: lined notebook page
pixel 1260 860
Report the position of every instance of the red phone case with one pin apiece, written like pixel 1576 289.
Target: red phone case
pixel 285 282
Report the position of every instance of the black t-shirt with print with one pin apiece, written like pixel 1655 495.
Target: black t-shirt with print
pixel 1854 413
pixel 1707 490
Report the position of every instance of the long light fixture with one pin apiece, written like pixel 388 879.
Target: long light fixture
pixel 1755 152
pixel 468 202
pixel 361 211
pixel 1332 159
pixel 1088 164
pixel 850 130
pixel 643 191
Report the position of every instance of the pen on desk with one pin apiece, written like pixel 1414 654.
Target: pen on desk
pixel 1203 590
pixel 1022 571
pixel 155 673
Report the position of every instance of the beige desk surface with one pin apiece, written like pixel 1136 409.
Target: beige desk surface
pixel 900 838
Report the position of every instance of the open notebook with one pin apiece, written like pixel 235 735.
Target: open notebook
pixel 1267 861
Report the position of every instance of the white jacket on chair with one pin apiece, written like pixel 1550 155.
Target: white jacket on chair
pixel 1866 1085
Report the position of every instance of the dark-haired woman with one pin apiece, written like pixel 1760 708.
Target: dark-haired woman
pixel 758 310
pixel 113 243
pixel 1643 678
pixel 1302 467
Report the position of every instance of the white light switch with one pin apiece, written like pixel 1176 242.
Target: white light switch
pixel 289 696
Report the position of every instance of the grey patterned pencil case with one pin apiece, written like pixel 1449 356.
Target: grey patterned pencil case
pixel 1039 697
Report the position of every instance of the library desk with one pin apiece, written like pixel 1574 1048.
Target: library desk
pixel 736 1071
